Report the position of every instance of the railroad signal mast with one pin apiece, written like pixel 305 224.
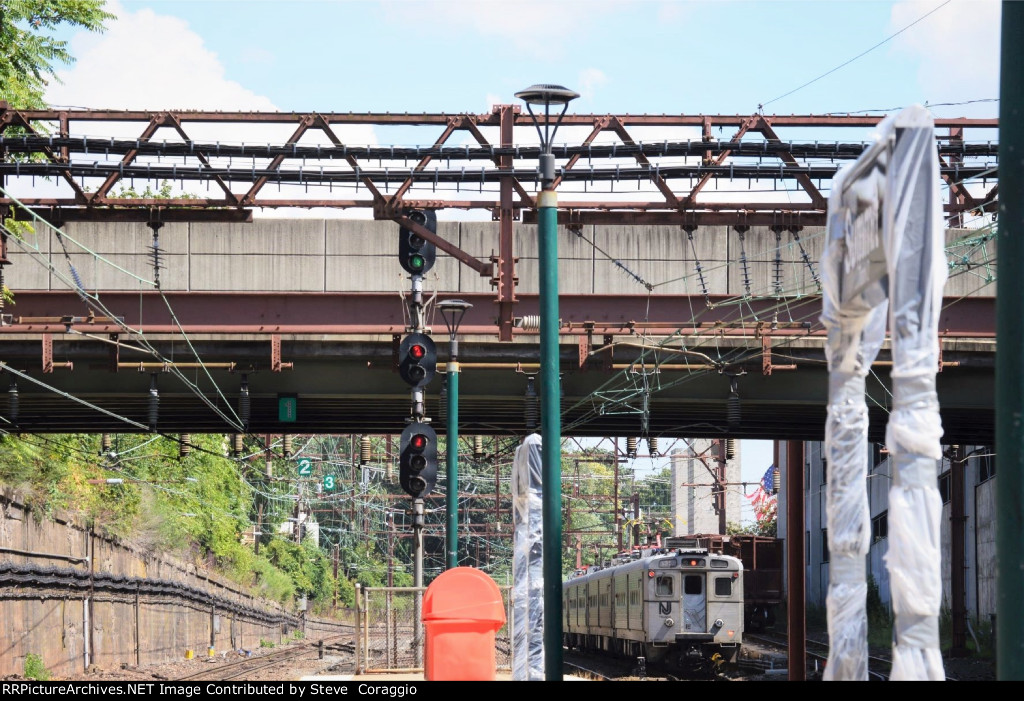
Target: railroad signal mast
pixel 417 364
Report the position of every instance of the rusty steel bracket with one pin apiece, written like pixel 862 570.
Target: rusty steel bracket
pixel 766 357
pixel 48 355
pixel 47 352
pixel 275 355
pixel 115 352
pixel 585 343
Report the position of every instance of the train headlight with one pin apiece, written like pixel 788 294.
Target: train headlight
pixel 719 623
pixel 669 623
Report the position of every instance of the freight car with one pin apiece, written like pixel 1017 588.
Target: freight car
pixel 762 558
pixel 677 606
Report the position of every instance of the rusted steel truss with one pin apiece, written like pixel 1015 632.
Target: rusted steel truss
pixel 372 313
pixel 614 169
pixel 315 155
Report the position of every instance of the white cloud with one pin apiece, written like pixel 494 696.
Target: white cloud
pixel 149 61
pixel 958 47
pixel 589 80
pixel 535 26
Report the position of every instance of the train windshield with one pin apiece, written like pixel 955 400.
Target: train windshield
pixel 664 586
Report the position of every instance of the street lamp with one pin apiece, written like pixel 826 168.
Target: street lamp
pixel 549 96
pixel 452 310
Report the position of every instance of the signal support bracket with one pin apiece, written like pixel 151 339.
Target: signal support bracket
pixel 275 355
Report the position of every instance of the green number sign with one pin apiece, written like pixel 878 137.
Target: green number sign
pixel 287 408
pixel 305 467
pixel 328 481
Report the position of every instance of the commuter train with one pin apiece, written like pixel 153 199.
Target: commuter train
pixel 675 606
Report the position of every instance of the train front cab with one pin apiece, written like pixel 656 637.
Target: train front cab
pixel 707 623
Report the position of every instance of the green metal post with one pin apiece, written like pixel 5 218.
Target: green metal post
pixel 1010 337
pixel 551 433
pixel 452 498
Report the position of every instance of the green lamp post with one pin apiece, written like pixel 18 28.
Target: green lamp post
pixel 548 97
pixel 453 310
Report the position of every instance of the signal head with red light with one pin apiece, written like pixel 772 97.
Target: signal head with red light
pixel 417 359
pixel 417 462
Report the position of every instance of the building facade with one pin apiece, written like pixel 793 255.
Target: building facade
pixel 704 476
pixel 967 484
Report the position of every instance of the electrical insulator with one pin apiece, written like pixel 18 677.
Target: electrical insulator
pixel 244 403
pixel 287 445
pixel 184 445
pixel 238 446
pixel 732 405
pixel 732 409
pixel 105 443
pixel 730 448
pixel 364 450
pixel 154 403
pixel 631 447
pixel 478 447
pixel 652 446
pixel 529 322
pixel 531 409
pixel 13 402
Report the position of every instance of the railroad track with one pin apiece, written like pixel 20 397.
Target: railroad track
pixel 879 667
pixel 246 666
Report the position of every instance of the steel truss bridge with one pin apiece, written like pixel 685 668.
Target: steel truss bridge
pixel 626 370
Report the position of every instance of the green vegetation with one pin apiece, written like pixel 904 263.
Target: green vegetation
pixel 35 669
pixel 266 643
pixel 29 53
pixel 198 508
pixel 204 508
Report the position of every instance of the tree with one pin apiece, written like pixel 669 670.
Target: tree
pixel 28 50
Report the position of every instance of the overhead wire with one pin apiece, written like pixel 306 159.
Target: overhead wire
pixel 889 38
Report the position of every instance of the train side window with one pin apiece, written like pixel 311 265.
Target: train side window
pixel 723 586
pixel 663 586
pixel 693 584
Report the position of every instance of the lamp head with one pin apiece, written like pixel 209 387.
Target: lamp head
pixel 453 310
pixel 545 94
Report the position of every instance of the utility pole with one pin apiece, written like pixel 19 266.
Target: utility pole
pixel 720 477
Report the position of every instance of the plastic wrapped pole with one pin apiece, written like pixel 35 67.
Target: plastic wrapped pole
pixel 917 275
pixel 884 244
pixel 853 312
pixel 528 562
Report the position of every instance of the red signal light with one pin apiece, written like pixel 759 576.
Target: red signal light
pixel 418 441
pixel 417 351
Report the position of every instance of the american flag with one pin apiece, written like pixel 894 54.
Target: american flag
pixel 768 481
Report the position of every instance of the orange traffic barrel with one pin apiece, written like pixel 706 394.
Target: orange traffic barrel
pixel 462 610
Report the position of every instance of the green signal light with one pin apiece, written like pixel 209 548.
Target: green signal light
pixel 416 261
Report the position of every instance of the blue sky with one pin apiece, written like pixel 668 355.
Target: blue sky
pixel 623 56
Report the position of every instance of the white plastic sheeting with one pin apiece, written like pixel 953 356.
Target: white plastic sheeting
pixel 527 562
pixel 884 252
